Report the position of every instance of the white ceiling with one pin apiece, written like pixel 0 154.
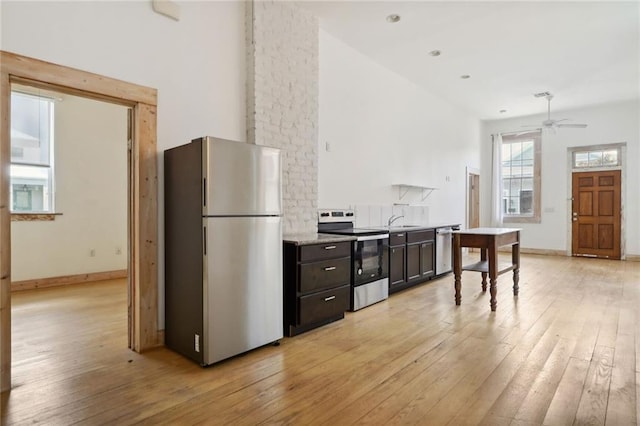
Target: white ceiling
pixel 585 53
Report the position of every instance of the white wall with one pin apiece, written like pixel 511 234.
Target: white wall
pixel 90 192
pixel 197 64
pixel 611 123
pixel 383 129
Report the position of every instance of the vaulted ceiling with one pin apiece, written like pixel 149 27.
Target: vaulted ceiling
pixel 585 53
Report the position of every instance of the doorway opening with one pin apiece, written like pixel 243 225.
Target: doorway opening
pixel 68 199
pixel 142 197
pixel 473 200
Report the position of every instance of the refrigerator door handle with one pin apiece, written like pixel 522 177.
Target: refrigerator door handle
pixel 204 192
pixel 204 240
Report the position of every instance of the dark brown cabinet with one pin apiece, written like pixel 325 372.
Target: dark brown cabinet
pixel 397 259
pixel 413 260
pixel 317 285
pixel 427 256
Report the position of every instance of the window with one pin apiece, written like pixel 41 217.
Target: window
pixel 605 157
pixel 521 177
pixel 31 189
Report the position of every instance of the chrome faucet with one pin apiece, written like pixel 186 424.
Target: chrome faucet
pixel 393 218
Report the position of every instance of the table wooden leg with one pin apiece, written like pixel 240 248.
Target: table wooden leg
pixel 515 260
pixel 457 267
pixel 483 257
pixel 493 290
pixel 493 273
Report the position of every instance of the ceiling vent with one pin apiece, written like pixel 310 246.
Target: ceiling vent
pixel 542 94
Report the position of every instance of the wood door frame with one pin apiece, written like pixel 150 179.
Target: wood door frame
pixel 623 189
pixel 143 198
pixel 468 172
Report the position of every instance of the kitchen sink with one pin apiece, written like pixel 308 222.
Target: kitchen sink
pixel 397 227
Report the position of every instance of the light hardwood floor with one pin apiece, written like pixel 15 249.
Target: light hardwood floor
pixel 563 352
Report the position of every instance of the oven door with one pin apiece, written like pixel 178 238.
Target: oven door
pixel 370 258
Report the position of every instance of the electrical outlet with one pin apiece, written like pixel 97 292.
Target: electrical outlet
pixel 92 253
pixel 118 250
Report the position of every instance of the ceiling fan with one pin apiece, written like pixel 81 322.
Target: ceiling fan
pixel 550 124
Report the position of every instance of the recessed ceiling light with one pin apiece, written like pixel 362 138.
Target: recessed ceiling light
pixel 465 76
pixel 435 53
pixel 502 111
pixel 393 18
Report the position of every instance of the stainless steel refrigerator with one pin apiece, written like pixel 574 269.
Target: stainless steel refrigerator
pixel 223 248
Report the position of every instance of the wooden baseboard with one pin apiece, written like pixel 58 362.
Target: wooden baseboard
pixel 546 252
pixel 628 257
pixel 67 280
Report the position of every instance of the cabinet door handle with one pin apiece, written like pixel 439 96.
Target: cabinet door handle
pixel 400 235
pixel 329 247
pixel 424 245
pixel 326 299
pixel 330 268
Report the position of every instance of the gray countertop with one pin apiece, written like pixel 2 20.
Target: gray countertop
pixel 407 228
pixel 311 238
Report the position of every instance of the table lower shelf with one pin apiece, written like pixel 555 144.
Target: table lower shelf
pixel 483 266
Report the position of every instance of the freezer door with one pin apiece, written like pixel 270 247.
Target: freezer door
pixel 240 179
pixel 243 285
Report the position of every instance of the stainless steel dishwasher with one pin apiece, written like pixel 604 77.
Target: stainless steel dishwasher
pixel 444 249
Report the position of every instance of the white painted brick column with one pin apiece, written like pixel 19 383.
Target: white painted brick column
pixel 282 101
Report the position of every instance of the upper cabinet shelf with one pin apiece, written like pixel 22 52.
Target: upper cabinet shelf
pixel 403 190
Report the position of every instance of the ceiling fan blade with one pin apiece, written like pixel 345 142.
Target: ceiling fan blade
pixel 575 126
pixel 531 125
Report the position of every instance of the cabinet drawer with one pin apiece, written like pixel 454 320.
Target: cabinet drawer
pixel 325 251
pixel 417 236
pixel 325 274
pixel 326 304
pixel 397 238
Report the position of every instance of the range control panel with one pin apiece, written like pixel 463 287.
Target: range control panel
pixel 336 215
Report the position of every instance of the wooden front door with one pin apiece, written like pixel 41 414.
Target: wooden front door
pixel 596 214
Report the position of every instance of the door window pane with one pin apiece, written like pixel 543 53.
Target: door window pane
pixel 597 158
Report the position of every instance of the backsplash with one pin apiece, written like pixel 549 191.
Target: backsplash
pixel 378 215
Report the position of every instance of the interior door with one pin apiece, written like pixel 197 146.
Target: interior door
pixel 596 214
pixel 474 200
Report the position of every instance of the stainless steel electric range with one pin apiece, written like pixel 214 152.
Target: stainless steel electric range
pixel 369 256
